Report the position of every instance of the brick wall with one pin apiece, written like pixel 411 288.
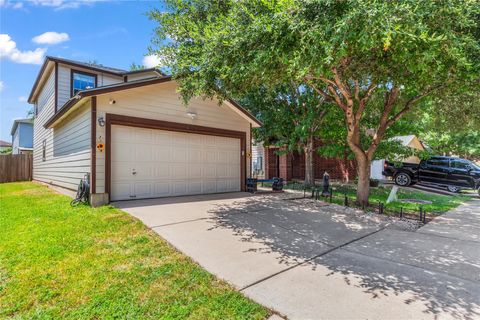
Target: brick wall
pixel 271 160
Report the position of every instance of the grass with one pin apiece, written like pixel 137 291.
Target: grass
pixel 83 263
pixel 440 203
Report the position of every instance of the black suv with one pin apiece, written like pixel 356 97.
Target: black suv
pixel 450 172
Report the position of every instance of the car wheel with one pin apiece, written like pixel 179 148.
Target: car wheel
pixel 453 189
pixel 403 179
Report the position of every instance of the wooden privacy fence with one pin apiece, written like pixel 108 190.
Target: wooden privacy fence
pixel 15 167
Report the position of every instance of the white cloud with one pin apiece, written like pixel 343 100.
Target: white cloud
pixel 9 50
pixel 51 37
pixel 22 99
pixel 11 4
pixel 151 61
pixel 1 86
pixel 63 4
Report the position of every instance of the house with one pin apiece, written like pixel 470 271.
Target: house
pixel 131 133
pixel 5 146
pixel 22 136
pixel 291 166
pixel 410 141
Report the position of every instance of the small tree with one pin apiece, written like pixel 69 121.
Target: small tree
pixel 292 115
pixel 398 51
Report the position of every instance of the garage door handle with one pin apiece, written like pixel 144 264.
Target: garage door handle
pixel 134 172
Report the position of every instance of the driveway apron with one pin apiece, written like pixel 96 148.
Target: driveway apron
pixel 325 261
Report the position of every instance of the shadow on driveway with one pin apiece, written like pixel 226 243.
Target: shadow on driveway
pixel 392 273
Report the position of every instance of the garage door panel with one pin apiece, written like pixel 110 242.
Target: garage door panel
pixel 161 189
pixel 195 171
pixel 209 186
pixel 161 172
pixel 144 153
pixel 123 151
pixel 179 140
pixel 143 190
pixel 124 134
pixel 195 155
pixel 172 163
pixel 144 171
pixel 121 191
pixel 162 153
pixel 194 187
pixel 221 185
pixel 162 138
pixel 210 155
pixel 179 171
pixel 179 187
pixel 144 135
pixel 210 171
pixel 221 171
pixel 121 171
pixel 180 154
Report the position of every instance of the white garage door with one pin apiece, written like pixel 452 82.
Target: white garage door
pixel 148 163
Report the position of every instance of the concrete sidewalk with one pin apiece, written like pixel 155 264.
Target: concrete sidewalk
pixel 326 262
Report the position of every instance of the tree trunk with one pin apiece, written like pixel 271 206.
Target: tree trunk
pixel 308 150
pixel 363 186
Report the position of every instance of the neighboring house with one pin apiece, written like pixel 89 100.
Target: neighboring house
pixel 22 136
pixel 410 141
pixel 133 135
pixel 5 146
pixel 292 166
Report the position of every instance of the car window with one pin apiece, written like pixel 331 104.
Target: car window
pixel 438 162
pixel 459 164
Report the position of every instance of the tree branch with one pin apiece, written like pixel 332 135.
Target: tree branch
pixel 364 100
pixel 410 103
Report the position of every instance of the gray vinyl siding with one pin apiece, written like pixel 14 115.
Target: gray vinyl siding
pixel 67 146
pixel 64 78
pixel 15 141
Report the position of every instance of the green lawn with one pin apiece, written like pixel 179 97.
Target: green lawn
pixel 440 203
pixel 82 263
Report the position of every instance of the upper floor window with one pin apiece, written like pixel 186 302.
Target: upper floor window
pixel 82 81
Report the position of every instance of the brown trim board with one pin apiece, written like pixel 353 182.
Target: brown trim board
pixel 93 146
pixel 116 119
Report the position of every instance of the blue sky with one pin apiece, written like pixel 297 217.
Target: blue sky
pixel 112 33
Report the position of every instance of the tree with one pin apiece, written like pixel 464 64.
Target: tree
pixel 136 67
pixel 397 52
pixel 450 124
pixel 292 116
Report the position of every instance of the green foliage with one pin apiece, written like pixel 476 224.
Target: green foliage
pixel 377 59
pixel 291 114
pixel 450 124
pixel 7 150
pixel 234 46
pixel 135 67
pixel 59 262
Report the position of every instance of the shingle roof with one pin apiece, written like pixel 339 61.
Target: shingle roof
pixel 5 144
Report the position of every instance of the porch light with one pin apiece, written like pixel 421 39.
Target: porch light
pixel 192 115
pixel 101 122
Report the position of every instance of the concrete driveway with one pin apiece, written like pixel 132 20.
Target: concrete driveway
pixel 314 261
